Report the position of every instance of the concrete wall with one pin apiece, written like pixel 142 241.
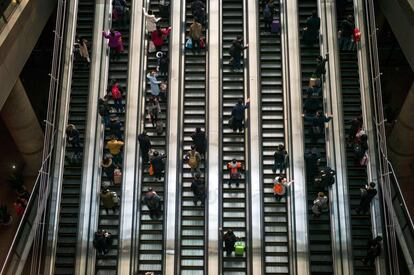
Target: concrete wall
pixel 18 39
pixel 400 16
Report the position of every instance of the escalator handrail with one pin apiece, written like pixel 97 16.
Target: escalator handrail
pixel 41 184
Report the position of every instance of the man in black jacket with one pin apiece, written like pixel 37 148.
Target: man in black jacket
pixel 373 251
pixel 198 188
pixel 145 146
pixel 235 51
pixel 199 139
pixel 368 192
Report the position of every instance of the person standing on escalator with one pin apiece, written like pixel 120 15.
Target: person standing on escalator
pixel 317 124
pixel 373 251
pixel 114 42
pixel 144 146
pixel 150 20
pixel 153 201
pixel 73 138
pixel 199 189
pixel 235 166
pixel 311 30
pixel 237 115
pixel 345 33
pixel 195 33
pixel 200 142
pixel 229 239
pixel 236 51
pixel 198 10
pixel 368 192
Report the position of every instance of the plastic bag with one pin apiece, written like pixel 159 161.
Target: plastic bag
pixel 189 43
pixel 151 47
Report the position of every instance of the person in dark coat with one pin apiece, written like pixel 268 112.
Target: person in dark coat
pixel 115 126
pixel 311 104
pixel 325 178
pixel 104 110
pixel 198 10
pixel 368 192
pixel 229 241
pixel 198 188
pixel 320 66
pixel 312 159
pixel 373 251
pixel 200 142
pixel 164 65
pixel 73 138
pixel 157 162
pixel 153 202
pixel 145 146
pixel 317 123
pixel 311 31
pixel 102 241
pixel 345 33
pixel 267 18
pixel 356 125
pixel 280 159
pixel 235 51
pixel 237 115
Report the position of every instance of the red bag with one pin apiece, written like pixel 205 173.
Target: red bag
pixel 202 43
pixel 116 93
pixel 357 35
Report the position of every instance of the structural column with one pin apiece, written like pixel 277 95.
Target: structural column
pixel 21 121
pixel 401 147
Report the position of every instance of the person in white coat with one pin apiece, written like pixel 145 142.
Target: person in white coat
pixel 151 20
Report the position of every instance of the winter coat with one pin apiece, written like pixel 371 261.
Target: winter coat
pixel 151 22
pixel 115 146
pixel 114 41
pixel 144 142
pixel 107 199
pixel 238 111
pixel 155 89
pixel 196 31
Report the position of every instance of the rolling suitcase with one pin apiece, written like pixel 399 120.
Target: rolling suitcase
pixel 275 27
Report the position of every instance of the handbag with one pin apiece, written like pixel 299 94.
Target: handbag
pixel 151 170
pixel 151 47
pixel 115 198
pixel 364 160
pixel 189 43
pixel 202 43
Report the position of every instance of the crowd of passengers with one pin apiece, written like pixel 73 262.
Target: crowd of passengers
pixel 154 161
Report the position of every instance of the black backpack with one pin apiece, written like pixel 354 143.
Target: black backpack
pixel 231 50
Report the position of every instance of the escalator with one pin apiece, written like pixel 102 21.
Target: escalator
pixel 72 174
pixel 193 218
pixel 320 247
pixel 357 176
pixel 233 205
pixel 275 215
pixel 151 232
pixel 118 69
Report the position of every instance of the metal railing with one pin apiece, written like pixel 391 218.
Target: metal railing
pixel 7 8
pixel 395 208
pixel 32 225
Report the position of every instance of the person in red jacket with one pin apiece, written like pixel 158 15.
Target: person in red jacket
pixel 159 35
pixel 116 93
pixel 234 166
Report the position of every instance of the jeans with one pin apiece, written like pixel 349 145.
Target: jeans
pixel 118 105
pixel 345 43
pixel 280 166
pixel 236 65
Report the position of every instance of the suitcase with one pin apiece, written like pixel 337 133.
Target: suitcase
pixel 275 27
pixel 239 248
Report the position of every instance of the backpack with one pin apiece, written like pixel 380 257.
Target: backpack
pixel 279 189
pixel 116 94
pixel 192 161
